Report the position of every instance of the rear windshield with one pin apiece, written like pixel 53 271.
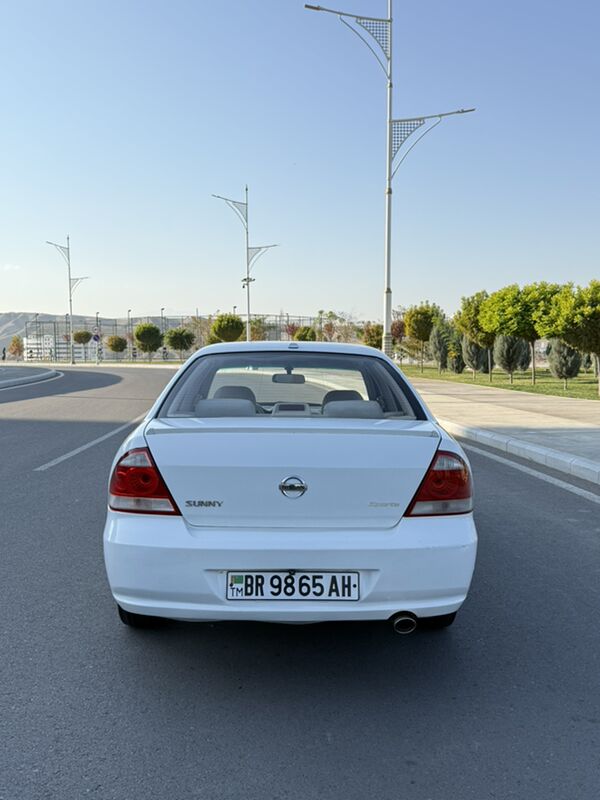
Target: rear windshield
pixel 287 383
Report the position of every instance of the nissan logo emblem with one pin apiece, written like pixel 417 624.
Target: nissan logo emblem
pixel 292 487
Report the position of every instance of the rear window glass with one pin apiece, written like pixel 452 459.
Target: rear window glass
pixel 288 383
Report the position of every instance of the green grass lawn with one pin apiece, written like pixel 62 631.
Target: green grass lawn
pixel 585 386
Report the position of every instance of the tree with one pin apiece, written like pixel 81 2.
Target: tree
pixel 290 328
pixel 438 345
pixel 512 311
pixel 179 339
pixel 82 337
pixel 305 334
pixel 456 362
pixel 509 352
pixel 372 334
pixel 564 361
pixel 419 321
pixel 148 338
pixel 15 348
pixel 398 330
pixel 227 328
pixel 474 356
pixel 258 329
pixel 467 320
pixel 574 317
pixel 117 344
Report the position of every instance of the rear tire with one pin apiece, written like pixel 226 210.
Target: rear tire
pixel 138 620
pixel 437 623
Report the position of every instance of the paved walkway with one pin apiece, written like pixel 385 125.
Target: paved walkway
pixel 568 427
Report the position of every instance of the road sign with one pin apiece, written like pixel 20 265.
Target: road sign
pixel 96 338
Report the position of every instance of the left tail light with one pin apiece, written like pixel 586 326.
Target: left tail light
pixel 137 486
pixel 446 488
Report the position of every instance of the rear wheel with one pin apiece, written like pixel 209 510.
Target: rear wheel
pixel 437 623
pixel 138 620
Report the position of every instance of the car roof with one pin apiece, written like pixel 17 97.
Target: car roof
pixel 301 347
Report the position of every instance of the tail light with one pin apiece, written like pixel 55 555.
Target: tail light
pixel 137 486
pixel 445 489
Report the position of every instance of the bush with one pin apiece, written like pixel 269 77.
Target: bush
pixel 510 352
pixel 305 334
pixel 258 329
pixel 226 328
pixel 117 344
pixel 82 337
pixel 179 339
pixel 148 338
pixel 564 361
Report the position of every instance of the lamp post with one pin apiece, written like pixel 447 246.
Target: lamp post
pixel 73 284
pixel 162 320
pixel 129 334
pixel 379 29
pixel 252 253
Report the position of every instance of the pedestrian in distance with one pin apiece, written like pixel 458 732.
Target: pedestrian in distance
pixel 4 354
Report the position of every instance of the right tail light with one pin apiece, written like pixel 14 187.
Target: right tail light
pixel 446 488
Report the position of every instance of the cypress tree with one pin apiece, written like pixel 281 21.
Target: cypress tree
pixel 564 361
pixel 474 356
pixel 438 345
pixel 511 352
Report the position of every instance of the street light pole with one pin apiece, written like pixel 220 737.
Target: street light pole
pixel 398 131
pixel 252 253
pixel 73 284
pixel 162 320
pixel 387 256
pixel 129 334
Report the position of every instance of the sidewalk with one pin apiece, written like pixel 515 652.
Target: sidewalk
pixel 559 432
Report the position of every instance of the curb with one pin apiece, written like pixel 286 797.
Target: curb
pixel 573 465
pixel 41 376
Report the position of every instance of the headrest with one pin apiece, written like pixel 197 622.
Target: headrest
pixel 235 392
pixel 341 394
pixel 225 408
pixel 353 409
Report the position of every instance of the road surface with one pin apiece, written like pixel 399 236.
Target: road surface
pixel 506 704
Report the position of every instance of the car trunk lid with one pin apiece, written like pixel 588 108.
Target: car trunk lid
pixel 226 472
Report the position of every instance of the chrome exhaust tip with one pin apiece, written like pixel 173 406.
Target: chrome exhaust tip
pixel 404 623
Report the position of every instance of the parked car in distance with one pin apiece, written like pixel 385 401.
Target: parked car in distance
pixel 290 482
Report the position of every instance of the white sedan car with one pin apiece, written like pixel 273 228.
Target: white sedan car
pixel 290 482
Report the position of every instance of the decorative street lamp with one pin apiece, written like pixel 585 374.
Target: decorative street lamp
pixel 379 29
pixel 73 284
pixel 252 253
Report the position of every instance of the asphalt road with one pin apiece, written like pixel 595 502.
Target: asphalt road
pixel 506 704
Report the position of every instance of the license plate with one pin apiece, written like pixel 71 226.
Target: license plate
pixel 293 585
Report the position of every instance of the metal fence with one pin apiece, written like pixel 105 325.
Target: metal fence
pixel 48 340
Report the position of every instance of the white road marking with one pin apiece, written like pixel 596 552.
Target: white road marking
pixel 83 447
pixel 32 383
pixel 594 498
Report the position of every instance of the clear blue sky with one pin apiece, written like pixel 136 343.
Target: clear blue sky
pixel 119 119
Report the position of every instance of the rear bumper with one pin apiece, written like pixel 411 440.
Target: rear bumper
pixel 161 567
